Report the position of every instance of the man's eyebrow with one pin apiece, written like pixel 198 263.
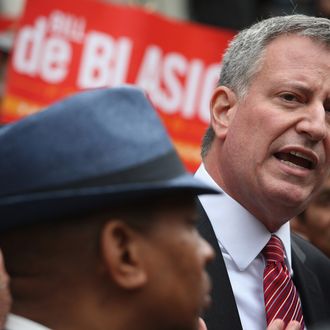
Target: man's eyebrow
pixel 297 85
pixel 301 87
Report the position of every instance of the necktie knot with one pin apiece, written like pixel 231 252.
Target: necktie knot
pixel 274 251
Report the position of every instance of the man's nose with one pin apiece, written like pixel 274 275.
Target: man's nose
pixel 313 122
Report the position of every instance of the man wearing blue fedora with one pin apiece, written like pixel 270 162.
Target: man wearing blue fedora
pixel 98 219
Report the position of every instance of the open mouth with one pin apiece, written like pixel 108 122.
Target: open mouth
pixel 296 159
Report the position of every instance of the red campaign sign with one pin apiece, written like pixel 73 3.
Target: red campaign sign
pixel 61 47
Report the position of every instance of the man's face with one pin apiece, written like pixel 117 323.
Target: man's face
pixel 276 151
pixel 176 256
pixel 317 220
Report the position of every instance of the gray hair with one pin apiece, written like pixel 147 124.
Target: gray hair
pixel 244 56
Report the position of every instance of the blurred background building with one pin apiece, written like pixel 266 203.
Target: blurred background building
pixel 232 14
pixel 238 14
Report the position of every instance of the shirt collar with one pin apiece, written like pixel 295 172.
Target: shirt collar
pixel 15 322
pixel 239 233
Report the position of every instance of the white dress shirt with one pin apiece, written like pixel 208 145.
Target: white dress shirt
pixel 15 322
pixel 241 238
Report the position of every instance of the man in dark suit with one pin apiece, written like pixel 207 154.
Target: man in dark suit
pixel 268 150
pixel 98 219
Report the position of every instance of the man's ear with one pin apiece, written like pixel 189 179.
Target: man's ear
pixel 223 107
pixel 122 251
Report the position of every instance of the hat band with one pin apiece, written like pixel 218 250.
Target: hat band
pixel 165 167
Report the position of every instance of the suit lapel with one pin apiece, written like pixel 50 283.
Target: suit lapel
pixel 223 313
pixel 308 287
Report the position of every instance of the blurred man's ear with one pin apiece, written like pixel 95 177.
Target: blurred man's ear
pixel 223 109
pixel 122 251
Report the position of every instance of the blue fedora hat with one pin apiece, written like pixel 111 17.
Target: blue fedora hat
pixel 84 153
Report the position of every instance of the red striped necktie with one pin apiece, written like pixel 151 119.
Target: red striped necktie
pixel 280 294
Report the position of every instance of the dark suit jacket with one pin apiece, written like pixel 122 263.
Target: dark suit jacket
pixel 311 277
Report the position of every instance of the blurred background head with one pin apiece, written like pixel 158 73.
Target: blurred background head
pixel 314 222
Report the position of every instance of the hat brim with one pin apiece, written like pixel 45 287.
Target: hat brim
pixel 33 207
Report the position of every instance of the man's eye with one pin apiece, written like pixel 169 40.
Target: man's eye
pixel 323 199
pixel 289 97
